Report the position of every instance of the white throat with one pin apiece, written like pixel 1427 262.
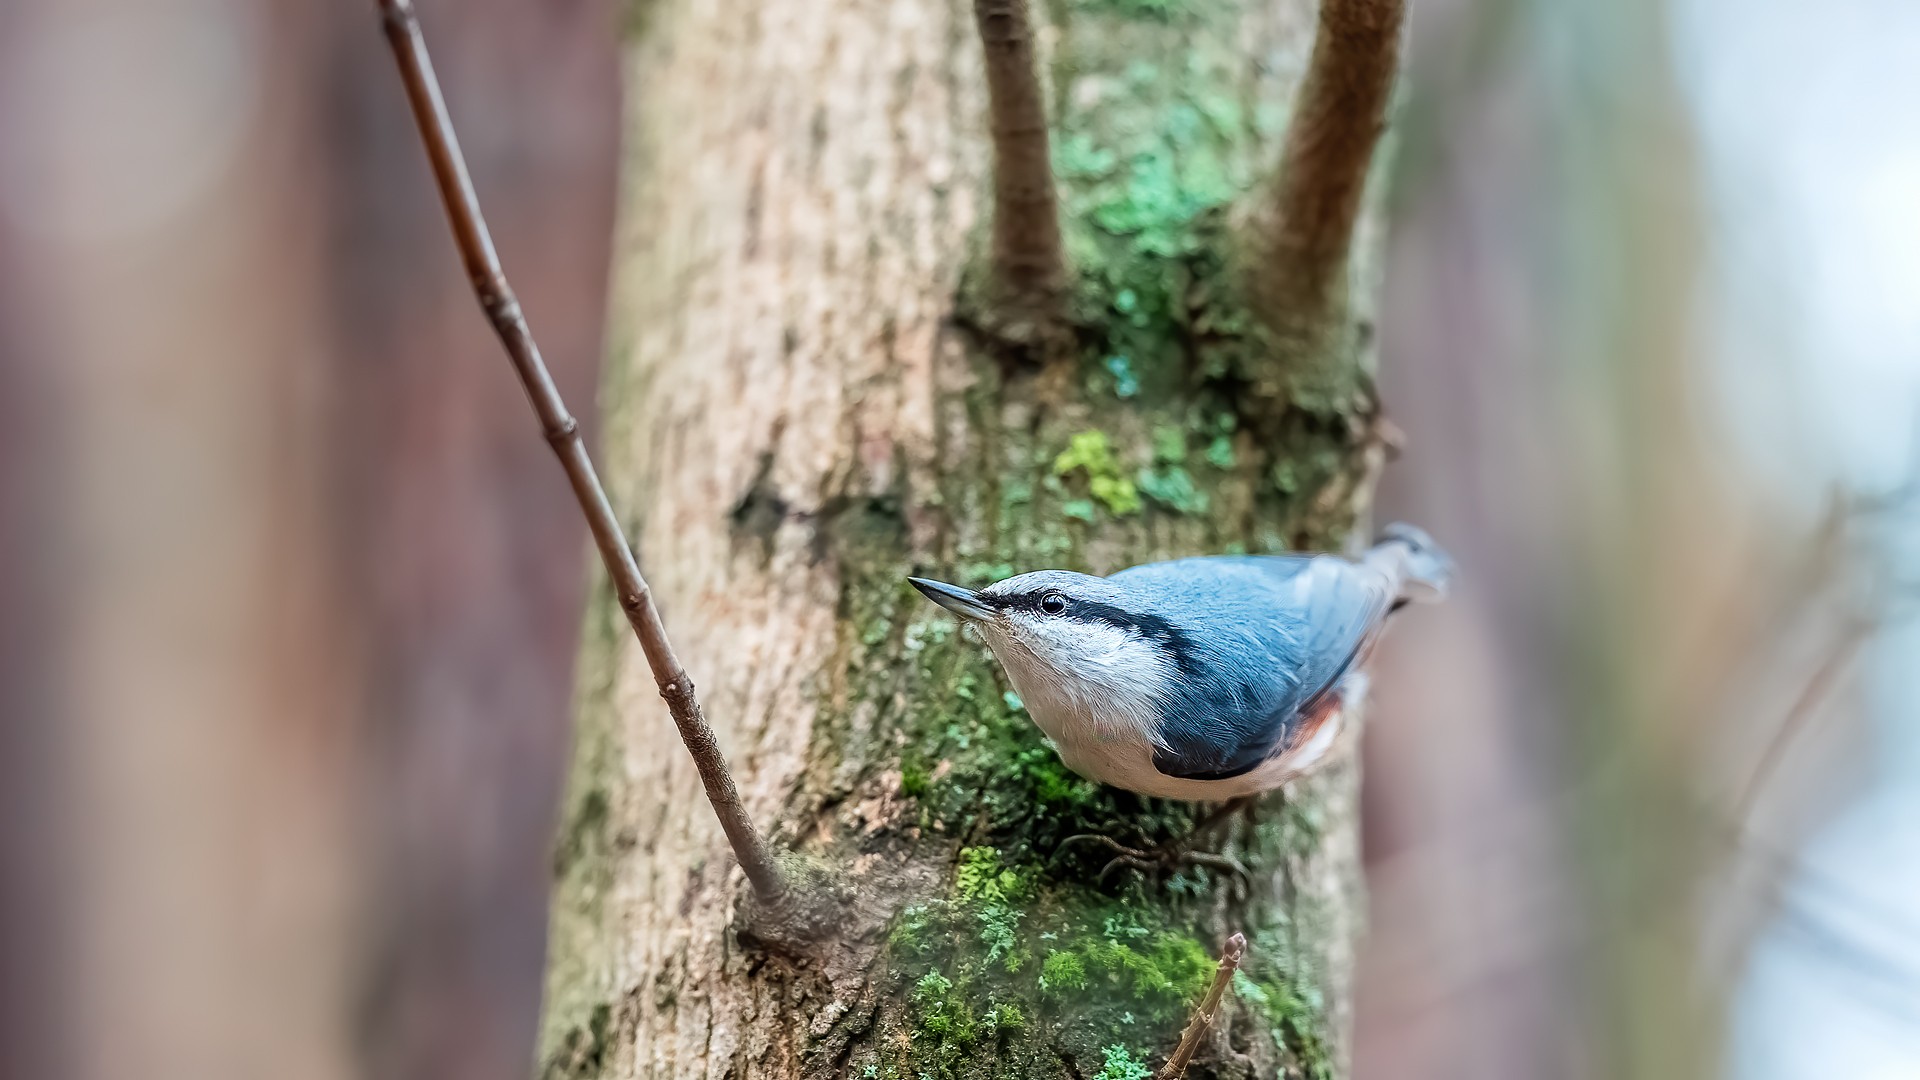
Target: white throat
pixel 1087 682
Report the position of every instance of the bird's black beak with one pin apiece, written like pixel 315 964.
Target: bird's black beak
pixel 962 602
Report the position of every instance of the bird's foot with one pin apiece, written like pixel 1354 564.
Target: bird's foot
pixel 1167 858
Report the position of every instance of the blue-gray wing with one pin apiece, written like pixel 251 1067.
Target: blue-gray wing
pixel 1265 639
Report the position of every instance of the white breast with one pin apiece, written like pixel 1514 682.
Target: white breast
pixel 1102 684
pixel 1131 766
pixel 1103 715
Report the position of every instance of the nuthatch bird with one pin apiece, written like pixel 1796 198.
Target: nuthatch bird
pixel 1206 678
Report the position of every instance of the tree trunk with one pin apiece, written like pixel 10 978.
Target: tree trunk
pixel 803 406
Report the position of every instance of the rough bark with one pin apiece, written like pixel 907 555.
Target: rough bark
pixel 802 409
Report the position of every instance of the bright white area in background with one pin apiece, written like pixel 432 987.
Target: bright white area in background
pixel 1810 131
pixel 1809 123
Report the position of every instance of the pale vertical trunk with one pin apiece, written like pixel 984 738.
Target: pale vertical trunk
pixel 797 415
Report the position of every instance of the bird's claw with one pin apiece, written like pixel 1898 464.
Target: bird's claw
pixel 1161 859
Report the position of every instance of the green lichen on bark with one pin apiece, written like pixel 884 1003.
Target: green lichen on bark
pixel 1147 429
pixel 1143 438
pixel 582 1053
pixel 579 984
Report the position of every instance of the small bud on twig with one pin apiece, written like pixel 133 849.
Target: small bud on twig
pixel 1230 957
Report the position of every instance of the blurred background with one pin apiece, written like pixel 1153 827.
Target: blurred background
pixel 289 587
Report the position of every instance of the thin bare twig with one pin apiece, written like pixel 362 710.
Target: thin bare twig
pixel 1027 256
pixel 1847 643
pixel 1299 276
pixel 563 434
pixel 1230 957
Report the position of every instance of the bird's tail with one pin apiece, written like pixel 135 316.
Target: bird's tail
pixel 1415 561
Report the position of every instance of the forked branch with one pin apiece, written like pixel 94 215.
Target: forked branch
pixel 563 434
pixel 1027 260
pixel 1301 257
pixel 1230 958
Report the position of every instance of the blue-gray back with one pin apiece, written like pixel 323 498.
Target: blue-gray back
pixel 1257 639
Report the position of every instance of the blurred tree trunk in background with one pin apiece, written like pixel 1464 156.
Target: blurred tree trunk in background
pixel 161 262
pixel 1541 832
pixel 462 544
pixel 800 410
pixel 290 589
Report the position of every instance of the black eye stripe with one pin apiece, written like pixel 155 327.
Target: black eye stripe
pixel 1031 602
pixel 1151 627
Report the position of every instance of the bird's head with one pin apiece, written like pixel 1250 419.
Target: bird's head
pixel 1071 641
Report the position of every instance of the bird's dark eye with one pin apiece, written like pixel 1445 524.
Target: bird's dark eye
pixel 1053 603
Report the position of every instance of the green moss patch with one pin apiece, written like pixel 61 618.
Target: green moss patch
pixel 1118 1064
pixel 1009 951
pixel 1090 453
